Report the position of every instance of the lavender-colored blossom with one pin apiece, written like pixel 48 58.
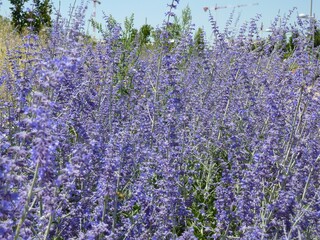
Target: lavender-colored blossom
pixel 101 140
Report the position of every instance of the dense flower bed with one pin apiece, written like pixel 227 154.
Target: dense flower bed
pixel 172 141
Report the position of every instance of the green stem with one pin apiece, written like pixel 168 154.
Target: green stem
pixel 156 95
pixel 288 149
pixel 26 206
pixel 48 227
pixel 308 180
pixel 115 203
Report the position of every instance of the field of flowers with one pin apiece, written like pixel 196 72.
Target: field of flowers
pixel 101 140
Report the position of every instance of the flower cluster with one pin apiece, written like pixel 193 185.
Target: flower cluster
pixel 98 141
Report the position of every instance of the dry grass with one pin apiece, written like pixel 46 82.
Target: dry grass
pixel 10 40
pixel 5 30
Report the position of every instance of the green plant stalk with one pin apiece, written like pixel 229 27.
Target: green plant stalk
pixel 301 119
pixel 71 14
pixel 288 148
pixel 299 127
pixel 115 203
pixel 227 107
pixel 51 217
pixel 263 215
pixel 104 208
pixel 110 107
pixel 253 80
pixel 26 206
pixel 224 115
pixel 41 207
pixel 308 181
pixel 156 95
pixel 208 180
pixel 297 220
pixel 48 227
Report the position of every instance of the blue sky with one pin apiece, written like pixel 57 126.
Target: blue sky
pixel 153 11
